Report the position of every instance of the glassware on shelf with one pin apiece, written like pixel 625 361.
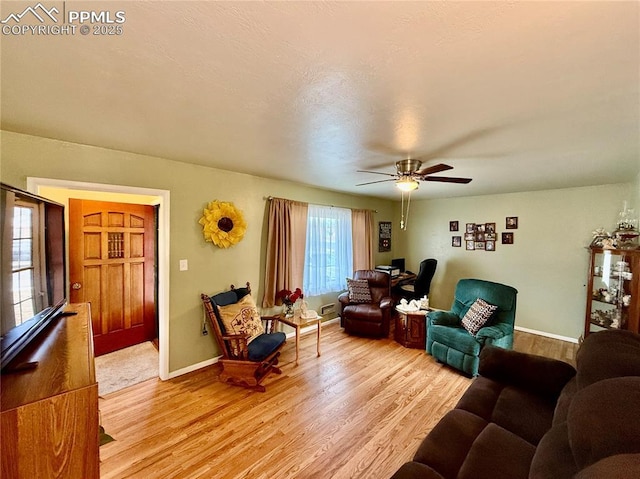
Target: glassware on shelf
pixel 626 232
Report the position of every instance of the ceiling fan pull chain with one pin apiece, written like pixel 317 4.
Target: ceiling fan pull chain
pixel 408 204
pixel 402 227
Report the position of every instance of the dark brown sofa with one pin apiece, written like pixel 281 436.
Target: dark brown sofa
pixel 527 416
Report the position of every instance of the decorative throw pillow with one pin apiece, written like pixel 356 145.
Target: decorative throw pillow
pixel 359 291
pixel 242 317
pixel 477 316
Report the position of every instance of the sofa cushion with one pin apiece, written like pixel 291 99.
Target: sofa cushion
pixel 477 316
pixel 502 404
pixel 608 354
pixel 497 454
pixel 542 376
pixel 603 420
pixel 553 458
pixel 564 401
pixel 447 445
pixel 621 466
pixel 416 469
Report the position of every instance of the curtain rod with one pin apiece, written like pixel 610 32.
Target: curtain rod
pixel 330 206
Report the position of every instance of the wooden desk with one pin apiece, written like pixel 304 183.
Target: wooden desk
pixel 402 277
pixel 298 323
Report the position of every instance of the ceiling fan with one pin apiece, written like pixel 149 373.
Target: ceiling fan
pixel 408 175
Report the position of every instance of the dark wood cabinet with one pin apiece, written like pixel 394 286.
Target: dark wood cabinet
pixel 49 419
pixel 411 329
pixel 613 294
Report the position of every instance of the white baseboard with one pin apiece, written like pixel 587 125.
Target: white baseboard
pixel 547 335
pixel 193 367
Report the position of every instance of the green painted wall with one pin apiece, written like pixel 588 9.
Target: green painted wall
pixel 548 261
pixel 191 187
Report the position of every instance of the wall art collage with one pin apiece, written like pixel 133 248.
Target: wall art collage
pixel 482 236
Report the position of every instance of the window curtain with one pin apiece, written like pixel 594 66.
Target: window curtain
pixel 286 242
pixel 362 221
pixel 329 257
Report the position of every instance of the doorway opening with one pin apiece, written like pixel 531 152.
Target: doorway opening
pixel 62 190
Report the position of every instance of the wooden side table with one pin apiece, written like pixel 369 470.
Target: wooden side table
pixel 298 323
pixel 411 328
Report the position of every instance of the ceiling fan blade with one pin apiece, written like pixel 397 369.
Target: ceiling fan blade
pixel 372 182
pixel 374 172
pixel 446 179
pixel 434 169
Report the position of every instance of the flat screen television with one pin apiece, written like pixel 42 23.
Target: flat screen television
pixel 32 268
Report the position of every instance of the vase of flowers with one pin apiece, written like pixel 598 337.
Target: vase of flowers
pixel 288 299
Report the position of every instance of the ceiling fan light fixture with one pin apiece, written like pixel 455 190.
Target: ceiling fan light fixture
pixel 407 184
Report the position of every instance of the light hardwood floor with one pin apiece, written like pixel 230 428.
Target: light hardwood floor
pixel 358 411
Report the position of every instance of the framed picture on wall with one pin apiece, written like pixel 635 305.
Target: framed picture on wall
pixel 490 245
pixel 453 226
pixel 512 223
pixel 384 236
pixel 507 238
pixel 456 241
pixel 470 245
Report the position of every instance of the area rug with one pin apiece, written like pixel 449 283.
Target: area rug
pixel 126 367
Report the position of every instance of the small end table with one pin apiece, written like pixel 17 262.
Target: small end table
pixel 411 328
pixel 297 322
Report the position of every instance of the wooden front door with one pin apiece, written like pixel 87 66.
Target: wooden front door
pixel 111 266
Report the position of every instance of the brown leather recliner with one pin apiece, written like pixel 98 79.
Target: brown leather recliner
pixel 369 319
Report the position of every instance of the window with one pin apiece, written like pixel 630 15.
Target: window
pixel 329 249
pixel 22 269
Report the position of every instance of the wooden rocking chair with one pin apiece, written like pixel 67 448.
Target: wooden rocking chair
pixel 246 359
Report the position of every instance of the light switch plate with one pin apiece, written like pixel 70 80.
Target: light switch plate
pixel 184 265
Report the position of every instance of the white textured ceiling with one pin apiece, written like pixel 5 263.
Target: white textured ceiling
pixel 516 95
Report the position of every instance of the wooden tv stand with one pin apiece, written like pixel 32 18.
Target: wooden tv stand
pixel 49 413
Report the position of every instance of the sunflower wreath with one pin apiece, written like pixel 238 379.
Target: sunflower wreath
pixel 223 224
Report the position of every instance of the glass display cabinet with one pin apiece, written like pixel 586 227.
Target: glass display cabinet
pixel 613 294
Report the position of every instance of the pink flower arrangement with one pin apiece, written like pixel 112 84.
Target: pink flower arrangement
pixel 288 297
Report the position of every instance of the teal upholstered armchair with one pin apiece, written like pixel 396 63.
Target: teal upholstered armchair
pixel 447 339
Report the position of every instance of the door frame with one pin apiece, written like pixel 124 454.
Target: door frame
pixel 162 200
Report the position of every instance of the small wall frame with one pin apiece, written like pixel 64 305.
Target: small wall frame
pixel 507 238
